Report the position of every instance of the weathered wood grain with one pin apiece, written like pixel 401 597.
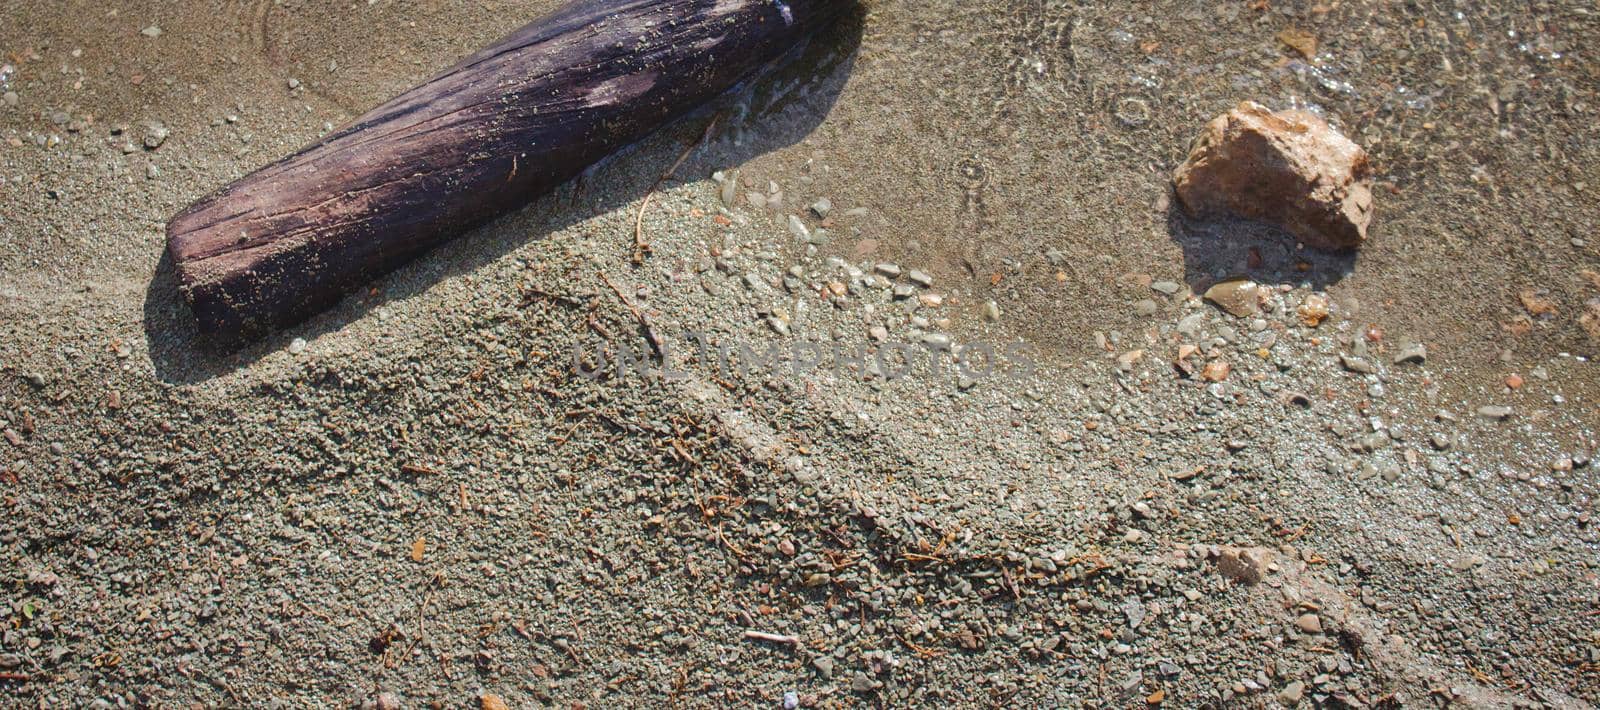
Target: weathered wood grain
pixel 486 136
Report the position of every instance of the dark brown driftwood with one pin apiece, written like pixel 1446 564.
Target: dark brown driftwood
pixel 502 127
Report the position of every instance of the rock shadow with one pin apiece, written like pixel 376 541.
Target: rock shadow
pixel 777 108
pixel 1231 248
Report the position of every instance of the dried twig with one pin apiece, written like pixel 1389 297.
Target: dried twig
pixel 640 246
pixel 641 316
pixel 531 294
pixel 919 650
pixel 773 638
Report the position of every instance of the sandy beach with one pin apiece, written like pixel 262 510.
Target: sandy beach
pixel 420 498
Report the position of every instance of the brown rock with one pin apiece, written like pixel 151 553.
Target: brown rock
pixel 1239 298
pixel 489 701
pixel 1309 623
pixel 1537 302
pixel 1243 566
pixel 1288 168
pixel 1590 320
pixel 1302 42
pixel 1216 371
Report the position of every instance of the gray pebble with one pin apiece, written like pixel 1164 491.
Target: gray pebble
pixel 1292 692
pixel 1494 411
pixel 155 134
pixel 1356 364
pixel 919 278
pixel 824 666
pixel 1411 352
pixel 862 683
pixel 821 208
pixel 798 229
pixel 1190 325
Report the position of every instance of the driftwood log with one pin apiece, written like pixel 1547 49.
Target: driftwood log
pixel 504 126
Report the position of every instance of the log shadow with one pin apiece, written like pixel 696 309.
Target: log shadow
pixel 785 102
pixel 1220 250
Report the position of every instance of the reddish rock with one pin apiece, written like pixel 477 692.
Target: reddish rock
pixel 1590 320
pixel 1243 566
pixel 1288 168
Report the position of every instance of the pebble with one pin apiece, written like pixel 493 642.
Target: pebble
pixel 1189 326
pixel 904 291
pixel 919 278
pixel 991 311
pixel 1292 692
pixel 730 187
pixel 1239 298
pixel 791 700
pixel 1169 288
pixel 1356 364
pixel 1494 411
pixel 10 99
pixel 1145 307
pixel 1309 623
pixel 890 270
pixel 155 133
pixel 1411 352
pixel 152 31
pixel 1313 311
pixel 821 208
pixel 824 666
pixel 297 346
pixel 798 229
pixel 861 683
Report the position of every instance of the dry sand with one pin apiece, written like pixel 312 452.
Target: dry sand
pixel 412 498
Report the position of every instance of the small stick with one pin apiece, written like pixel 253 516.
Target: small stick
pixel 640 246
pixel 644 320
pixel 773 638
